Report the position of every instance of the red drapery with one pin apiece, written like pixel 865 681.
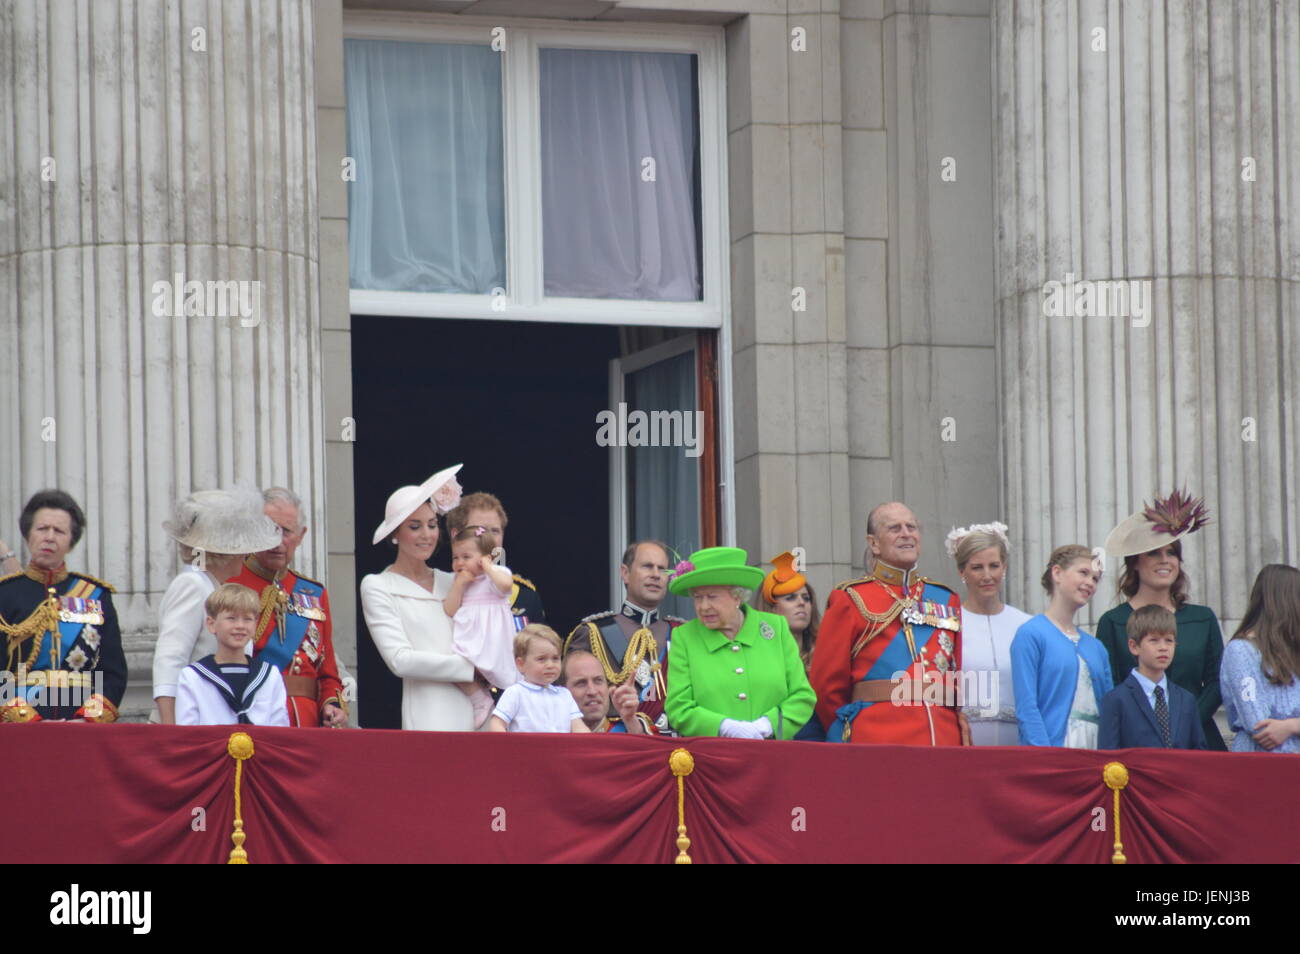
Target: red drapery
pixel 128 793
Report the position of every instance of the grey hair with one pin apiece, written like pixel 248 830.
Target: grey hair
pixel 741 593
pixel 284 495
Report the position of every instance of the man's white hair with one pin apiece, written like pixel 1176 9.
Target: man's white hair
pixel 284 495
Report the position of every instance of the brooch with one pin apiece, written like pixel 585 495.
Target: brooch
pixel 766 630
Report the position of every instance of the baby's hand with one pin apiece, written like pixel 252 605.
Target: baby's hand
pixel 464 577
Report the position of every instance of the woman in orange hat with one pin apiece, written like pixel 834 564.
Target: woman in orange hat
pixel 787 591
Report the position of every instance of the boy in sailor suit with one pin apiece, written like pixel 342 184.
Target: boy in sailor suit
pixel 228 687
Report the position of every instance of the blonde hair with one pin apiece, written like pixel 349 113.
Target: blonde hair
pixel 535 631
pixel 232 598
pixel 1064 557
pixel 974 542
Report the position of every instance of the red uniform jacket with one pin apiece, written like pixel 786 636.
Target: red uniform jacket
pixel 306 649
pixel 850 649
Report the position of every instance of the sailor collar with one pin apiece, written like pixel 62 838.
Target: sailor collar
pixel 638 615
pixel 893 575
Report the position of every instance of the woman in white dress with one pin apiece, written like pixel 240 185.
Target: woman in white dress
pixel 403 608
pixel 987 627
pixel 215 530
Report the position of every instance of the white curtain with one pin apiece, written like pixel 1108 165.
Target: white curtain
pixel 663 482
pixel 427 210
pixel 608 233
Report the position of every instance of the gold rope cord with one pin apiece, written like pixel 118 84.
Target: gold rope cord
pixel 641 643
pixel 240 747
pixel 275 601
pixel 1115 775
pixel 44 619
pixel 682 763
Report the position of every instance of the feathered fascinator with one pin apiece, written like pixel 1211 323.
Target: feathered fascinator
pixel 1161 523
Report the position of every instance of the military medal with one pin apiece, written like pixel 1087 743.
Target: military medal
pixel 911 615
pixel 945 643
pixel 642 673
pixel 766 630
pixel 90 636
pixel 76 659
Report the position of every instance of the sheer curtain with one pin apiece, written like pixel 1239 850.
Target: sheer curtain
pixel 427 210
pixel 607 233
pixel 664 483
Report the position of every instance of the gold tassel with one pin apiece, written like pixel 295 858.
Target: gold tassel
pixel 682 764
pixel 1115 776
pixel 240 747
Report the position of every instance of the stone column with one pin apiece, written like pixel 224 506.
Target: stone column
pixel 1155 143
pixel 790 395
pixel 151 140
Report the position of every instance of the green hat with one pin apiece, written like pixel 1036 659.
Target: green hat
pixel 715 566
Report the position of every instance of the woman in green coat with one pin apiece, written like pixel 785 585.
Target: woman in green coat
pixel 1151 544
pixel 733 671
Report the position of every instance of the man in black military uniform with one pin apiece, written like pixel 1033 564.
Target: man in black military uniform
pixel 632 641
pixel 484 510
pixel 63 645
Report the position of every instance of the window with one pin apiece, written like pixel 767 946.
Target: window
pixel 571 173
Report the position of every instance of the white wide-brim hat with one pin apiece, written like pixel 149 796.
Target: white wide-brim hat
pixel 404 501
pixel 1166 520
pixel 223 521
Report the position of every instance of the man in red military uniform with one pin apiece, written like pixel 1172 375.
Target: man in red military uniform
pixel 294 628
pixel 889 647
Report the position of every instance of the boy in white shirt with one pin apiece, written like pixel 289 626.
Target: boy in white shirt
pixel 535 703
pixel 228 687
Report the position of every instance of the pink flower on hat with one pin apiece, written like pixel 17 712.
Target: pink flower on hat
pixel 446 497
pixel 685 566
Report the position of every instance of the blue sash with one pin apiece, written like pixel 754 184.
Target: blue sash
pixel 279 653
pixel 62 640
pixel 896 657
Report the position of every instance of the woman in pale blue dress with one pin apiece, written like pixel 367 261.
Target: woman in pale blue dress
pixel 1260 673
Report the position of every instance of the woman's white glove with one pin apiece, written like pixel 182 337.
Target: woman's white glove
pixel 735 729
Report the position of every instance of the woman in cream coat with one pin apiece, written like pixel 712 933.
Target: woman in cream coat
pixel 403 609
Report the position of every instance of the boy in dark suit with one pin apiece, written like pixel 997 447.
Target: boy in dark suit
pixel 1146 710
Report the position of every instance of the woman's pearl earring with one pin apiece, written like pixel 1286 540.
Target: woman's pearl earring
pixel 393 541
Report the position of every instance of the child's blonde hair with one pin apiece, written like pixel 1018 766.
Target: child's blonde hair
pixel 232 598
pixel 484 539
pixel 535 631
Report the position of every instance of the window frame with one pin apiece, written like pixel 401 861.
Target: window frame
pixel 525 298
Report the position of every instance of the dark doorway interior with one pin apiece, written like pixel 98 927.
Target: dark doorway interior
pixel 516 402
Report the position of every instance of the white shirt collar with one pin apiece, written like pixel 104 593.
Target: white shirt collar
pixel 536 688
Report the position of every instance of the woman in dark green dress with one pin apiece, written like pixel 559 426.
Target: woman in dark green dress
pixel 1150 543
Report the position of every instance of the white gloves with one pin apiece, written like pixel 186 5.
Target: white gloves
pixel 760 728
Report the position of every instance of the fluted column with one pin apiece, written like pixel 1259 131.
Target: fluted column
pixel 181 139
pixel 1169 157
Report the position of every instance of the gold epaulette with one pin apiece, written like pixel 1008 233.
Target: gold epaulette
pixel 528 583
pixel 11 576
pixel 848 583
pixel 595 616
pixel 93 579
pixel 306 579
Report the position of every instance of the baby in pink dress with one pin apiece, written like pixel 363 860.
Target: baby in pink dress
pixel 483 628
